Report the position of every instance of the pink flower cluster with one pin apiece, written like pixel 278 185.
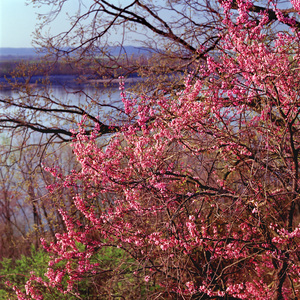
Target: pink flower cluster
pixel 200 190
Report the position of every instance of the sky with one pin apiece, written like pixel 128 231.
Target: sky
pixel 18 22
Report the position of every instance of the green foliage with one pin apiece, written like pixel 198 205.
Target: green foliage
pixel 18 272
pixel 115 276
pixel 116 269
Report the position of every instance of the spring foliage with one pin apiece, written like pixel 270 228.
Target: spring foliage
pixel 200 192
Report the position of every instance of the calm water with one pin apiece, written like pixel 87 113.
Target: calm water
pixel 73 95
pixel 99 102
pixel 102 103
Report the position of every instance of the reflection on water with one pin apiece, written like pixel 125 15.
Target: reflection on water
pixel 97 101
pixel 62 107
pixel 71 95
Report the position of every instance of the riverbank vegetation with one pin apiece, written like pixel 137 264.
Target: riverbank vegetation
pixel 98 69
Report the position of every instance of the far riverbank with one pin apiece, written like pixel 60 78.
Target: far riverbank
pixel 7 83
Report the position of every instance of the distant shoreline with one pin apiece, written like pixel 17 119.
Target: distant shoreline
pixel 30 52
pixel 63 80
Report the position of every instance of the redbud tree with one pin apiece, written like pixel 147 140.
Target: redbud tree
pixel 199 192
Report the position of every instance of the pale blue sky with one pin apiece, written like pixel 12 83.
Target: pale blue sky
pixel 18 22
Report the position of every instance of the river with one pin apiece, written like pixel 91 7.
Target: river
pixel 60 97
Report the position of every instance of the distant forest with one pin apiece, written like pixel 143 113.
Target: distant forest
pixel 32 62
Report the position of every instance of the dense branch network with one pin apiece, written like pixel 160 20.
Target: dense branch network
pixel 196 193
pixel 177 31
